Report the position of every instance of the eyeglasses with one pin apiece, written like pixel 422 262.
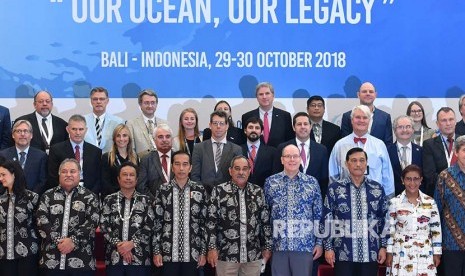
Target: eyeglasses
pixel 404 127
pixel 290 157
pixel 21 131
pixel 313 105
pixel 416 111
pixel 412 179
pixel 98 99
pixel 149 103
pixel 44 102
pixel 217 123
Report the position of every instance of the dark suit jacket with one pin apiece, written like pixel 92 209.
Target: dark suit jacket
pixel 263 166
pixel 281 126
pixel 203 163
pixel 5 128
pixel 35 168
pixel 59 130
pixel 459 128
pixel 318 166
pixel 91 164
pixel 434 162
pixel 417 159
pixel 234 135
pixel 381 127
pixel 331 134
pixel 151 173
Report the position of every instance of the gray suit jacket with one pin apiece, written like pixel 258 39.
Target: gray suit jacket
pixel 111 121
pixel 140 135
pixel 151 174
pixel 203 163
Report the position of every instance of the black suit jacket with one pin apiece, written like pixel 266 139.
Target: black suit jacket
pixel 203 163
pixel 331 134
pixel 281 126
pixel 318 166
pixel 151 173
pixel 35 168
pixel 434 162
pixel 5 128
pixel 417 159
pixel 91 164
pixel 263 165
pixel 59 131
pixel 460 128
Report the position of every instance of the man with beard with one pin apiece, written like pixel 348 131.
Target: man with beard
pixel 260 156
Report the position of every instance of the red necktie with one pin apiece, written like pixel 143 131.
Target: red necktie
pixel 252 155
pixel 266 128
pixel 77 154
pixel 451 151
pixel 360 139
pixel 164 164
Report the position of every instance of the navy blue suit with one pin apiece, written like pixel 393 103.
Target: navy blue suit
pixel 281 126
pixel 263 165
pixel 35 167
pixel 417 159
pixel 318 166
pixel 434 162
pixel 381 127
pixel 5 128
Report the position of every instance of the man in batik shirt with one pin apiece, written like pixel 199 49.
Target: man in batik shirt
pixel 66 219
pixel 180 208
pixel 127 221
pixel 354 219
pixel 238 227
pixel 294 199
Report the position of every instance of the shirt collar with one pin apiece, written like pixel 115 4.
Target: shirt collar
pixel 26 150
pixel 262 112
pixel 399 145
pixel 249 144
pixel 223 141
pixel 40 117
pixel 100 117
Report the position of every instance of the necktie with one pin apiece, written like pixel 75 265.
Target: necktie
pixel 22 158
pixel 77 153
pixel 252 155
pixel 303 156
pixel 98 129
pixel 451 151
pixel 317 132
pixel 404 157
pixel 218 155
pixel 150 127
pixel 44 126
pixel 266 128
pixel 360 139
pixel 164 164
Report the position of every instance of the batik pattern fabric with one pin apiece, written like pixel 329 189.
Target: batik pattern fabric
pixel 18 237
pixel 125 219
pixel 180 213
pixel 296 208
pixel 449 193
pixel 238 224
pixel 73 215
pixel 414 235
pixel 354 220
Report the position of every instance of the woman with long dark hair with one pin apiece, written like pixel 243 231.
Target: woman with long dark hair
pixel 18 238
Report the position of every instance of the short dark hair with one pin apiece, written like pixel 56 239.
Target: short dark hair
pixel 315 98
pixel 253 120
pixel 355 150
pixel 44 91
pixel 220 114
pixel 411 168
pixel 299 114
pixel 444 109
pixel 231 165
pixel 129 164
pixel 99 89
pixel 148 92
pixel 181 152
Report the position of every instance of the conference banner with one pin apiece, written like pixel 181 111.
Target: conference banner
pixel 220 49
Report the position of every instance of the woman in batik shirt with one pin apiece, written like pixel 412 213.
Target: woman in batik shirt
pixel 127 221
pixel 18 239
pixel 414 244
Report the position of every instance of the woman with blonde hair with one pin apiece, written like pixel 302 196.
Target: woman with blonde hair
pixel 188 132
pixel 121 152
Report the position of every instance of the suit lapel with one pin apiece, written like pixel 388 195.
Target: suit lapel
pixel 143 129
